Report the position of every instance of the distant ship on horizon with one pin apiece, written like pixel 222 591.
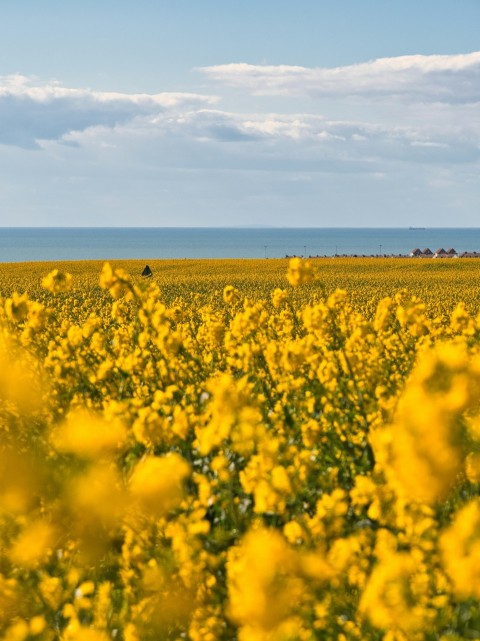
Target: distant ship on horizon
pixel 417 228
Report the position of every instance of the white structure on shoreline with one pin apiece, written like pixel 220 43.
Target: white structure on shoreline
pixel 440 253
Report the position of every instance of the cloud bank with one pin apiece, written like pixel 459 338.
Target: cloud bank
pixel 291 140
pixel 407 141
pixel 433 78
pixel 190 130
pixel 30 111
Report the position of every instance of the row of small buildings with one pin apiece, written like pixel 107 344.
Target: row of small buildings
pixel 441 253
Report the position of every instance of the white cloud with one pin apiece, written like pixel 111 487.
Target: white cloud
pixel 312 135
pixel 176 156
pixel 443 78
pixel 31 111
pixel 184 130
pixel 211 138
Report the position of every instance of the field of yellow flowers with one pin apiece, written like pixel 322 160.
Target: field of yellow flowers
pixel 263 450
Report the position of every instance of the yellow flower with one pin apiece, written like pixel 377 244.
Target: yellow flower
pixel 89 435
pixel 299 272
pixel 461 320
pixel 87 588
pixel 16 307
pixel 293 532
pixel 33 546
pixel 57 281
pixel 18 631
pixel 37 625
pixel 389 599
pixel 37 315
pixel 50 588
pixel 460 545
pixel 156 482
pixel 230 295
pixel 117 281
pixel 262 583
pixel 472 467
pixel 84 633
pixel 279 297
pixel 280 480
pixel 423 450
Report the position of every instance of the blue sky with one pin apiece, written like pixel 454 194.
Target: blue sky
pixel 339 113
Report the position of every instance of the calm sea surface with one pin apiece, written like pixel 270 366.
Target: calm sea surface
pixel 50 244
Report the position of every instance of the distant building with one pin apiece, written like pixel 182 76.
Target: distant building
pixel 440 253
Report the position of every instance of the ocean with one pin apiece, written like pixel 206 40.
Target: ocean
pixel 50 244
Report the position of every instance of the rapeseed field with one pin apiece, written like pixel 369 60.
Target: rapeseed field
pixel 257 450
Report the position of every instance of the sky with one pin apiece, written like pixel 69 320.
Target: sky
pixel 313 113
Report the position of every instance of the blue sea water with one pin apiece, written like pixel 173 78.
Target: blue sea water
pixel 51 244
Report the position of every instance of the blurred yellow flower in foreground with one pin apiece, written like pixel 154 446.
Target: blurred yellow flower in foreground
pixel 264 586
pixel 212 462
pixel 299 272
pixel 34 544
pixel 57 281
pixel 156 482
pixel 460 544
pixel 87 434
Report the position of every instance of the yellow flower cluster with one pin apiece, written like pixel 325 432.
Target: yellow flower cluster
pixel 221 452
pixel 299 271
pixel 57 281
